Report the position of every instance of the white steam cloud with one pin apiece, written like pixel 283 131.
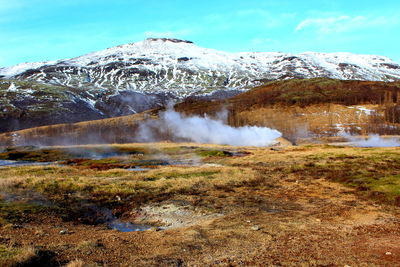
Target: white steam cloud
pixel 205 130
pixel 374 141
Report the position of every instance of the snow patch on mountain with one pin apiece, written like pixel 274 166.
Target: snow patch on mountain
pixel 159 65
pixel 22 67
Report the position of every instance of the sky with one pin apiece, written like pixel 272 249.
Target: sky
pixel 39 30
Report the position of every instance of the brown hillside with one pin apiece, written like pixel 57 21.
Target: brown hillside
pixel 302 93
pixel 298 108
pixel 112 130
pixel 312 108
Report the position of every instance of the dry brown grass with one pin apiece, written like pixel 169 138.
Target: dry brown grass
pixel 13 256
pixel 76 263
pixel 112 130
pixel 300 216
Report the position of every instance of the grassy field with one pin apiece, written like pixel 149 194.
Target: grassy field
pixel 309 205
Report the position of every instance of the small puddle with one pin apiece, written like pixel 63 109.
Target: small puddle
pixel 138 169
pixel 127 226
pixel 13 163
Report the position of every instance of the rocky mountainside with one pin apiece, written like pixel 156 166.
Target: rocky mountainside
pixel 134 77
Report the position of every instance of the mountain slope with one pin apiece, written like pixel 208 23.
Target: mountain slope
pixel 131 78
pixel 182 68
pixel 298 108
pixel 25 104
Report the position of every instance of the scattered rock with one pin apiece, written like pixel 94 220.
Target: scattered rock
pixel 397 201
pixel 276 149
pixel 64 232
pixel 255 228
pixel 388 253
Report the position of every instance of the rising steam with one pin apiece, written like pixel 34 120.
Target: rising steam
pixel 374 141
pixel 205 130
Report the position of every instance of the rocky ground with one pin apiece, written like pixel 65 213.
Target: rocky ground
pixel 310 205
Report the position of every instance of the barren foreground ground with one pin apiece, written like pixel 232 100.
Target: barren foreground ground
pixel 205 205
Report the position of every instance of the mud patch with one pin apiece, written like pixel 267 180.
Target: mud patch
pixel 174 215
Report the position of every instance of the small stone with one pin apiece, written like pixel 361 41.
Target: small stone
pixel 388 253
pixel 64 232
pixel 276 149
pixel 255 228
pixel 248 221
pixel 318 220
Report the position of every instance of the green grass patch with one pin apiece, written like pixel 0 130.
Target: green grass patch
pixel 36 155
pixel 18 212
pixel 214 153
pixel 376 175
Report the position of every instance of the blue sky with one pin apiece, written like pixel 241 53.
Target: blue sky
pixel 38 30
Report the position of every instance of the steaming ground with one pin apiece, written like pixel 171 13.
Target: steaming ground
pixel 205 130
pixel 372 140
pixel 375 141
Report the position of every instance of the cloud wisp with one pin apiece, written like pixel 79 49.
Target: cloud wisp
pixel 341 24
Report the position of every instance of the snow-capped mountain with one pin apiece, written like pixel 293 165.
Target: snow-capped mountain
pixel 135 77
pixel 181 68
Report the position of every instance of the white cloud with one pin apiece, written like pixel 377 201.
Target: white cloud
pixel 341 24
pixel 257 18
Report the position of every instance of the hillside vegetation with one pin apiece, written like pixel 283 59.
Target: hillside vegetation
pixel 298 108
pixel 311 107
pixel 302 93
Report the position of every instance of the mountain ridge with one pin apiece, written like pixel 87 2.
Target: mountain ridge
pixel 158 64
pixel 135 77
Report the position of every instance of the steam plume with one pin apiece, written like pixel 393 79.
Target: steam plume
pixel 205 130
pixel 375 141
